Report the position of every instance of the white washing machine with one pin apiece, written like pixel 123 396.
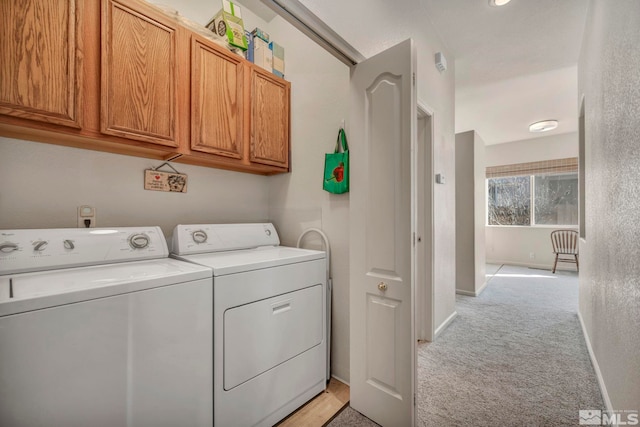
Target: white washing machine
pixel 269 320
pixel 98 327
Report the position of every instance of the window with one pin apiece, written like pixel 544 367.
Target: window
pixel 509 200
pixel 553 199
pixel 556 199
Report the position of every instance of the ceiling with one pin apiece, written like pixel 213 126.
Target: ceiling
pixel 514 64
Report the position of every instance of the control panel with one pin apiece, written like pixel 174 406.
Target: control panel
pixel 45 249
pixel 201 238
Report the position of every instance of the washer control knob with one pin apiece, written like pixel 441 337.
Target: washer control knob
pixel 40 245
pixel 139 241
pixel 68 244
pixel 8 247
pixel 199 236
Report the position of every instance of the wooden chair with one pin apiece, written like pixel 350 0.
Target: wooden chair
pixel 565 242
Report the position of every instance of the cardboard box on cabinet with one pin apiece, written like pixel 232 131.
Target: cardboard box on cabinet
pixel 262 55
pixel 278 59
pixel 228 23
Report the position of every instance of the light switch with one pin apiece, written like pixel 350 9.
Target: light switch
pixel 440 178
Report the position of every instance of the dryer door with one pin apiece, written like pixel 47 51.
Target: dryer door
pixel 261 335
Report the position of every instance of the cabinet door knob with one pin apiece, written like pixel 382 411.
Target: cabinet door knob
pixel 382 286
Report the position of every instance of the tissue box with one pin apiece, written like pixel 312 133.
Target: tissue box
pixel 257 32
pixel 262 55
pixel 249 52
pixel 278 59
pixel 228 23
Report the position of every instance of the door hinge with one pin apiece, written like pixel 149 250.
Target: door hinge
pixel 414 79
pixel 414 399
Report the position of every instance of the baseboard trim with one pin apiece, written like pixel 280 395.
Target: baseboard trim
pixel 339 379
pixel 483 287
pixel 531 265
pixel 444 325
pixel 596 367
pixel 521 264
pixel 471 293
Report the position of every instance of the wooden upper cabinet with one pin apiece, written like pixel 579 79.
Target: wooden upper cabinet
pixel 138 73
pixel 216 100
pixel 269 119
pixel 40 60
pixel 122 76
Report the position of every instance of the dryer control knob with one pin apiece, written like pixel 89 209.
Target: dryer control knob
pixel 8 247
pixel 40 245
pixel 139 241
pixel 199 236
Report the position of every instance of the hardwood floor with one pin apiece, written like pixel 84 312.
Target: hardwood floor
pixel 321 409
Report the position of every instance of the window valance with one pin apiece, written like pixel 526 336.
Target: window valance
pixel 567 165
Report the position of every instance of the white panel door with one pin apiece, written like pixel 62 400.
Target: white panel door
pixel 382 205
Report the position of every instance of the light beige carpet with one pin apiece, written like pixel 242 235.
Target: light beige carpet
pixel 349 417
pixel 514 356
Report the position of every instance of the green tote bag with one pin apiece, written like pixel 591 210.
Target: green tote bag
pixel 336 167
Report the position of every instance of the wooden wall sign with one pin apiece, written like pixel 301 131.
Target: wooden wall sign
pixel 157 180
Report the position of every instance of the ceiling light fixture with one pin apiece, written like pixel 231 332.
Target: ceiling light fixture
pixel 543 126
pixel 498 2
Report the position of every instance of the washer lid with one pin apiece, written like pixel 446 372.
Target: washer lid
pixel 32 291
pixel 232 262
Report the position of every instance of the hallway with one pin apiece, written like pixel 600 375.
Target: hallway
pixel 515 355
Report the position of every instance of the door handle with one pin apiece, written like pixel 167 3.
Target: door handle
pixel 382 286
pixel 281 306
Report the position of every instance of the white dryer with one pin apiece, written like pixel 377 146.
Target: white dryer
pixel 269 320
pixel 98 327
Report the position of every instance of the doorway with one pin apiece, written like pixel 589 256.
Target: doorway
pixel 424 224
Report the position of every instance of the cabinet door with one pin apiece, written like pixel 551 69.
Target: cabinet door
pixel 269 119
pixel 216 100
pixel 41 65
pixel 138 73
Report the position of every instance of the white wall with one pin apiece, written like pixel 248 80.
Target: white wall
pixel 549 147
pixel 513 244
pixel 437 91
pixel 319 102
pixel 470 213
pixel 44 184
pixel 608 76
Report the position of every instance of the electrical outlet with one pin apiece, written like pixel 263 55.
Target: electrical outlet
pixel 86 216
